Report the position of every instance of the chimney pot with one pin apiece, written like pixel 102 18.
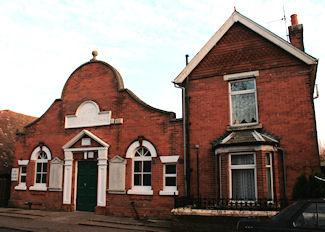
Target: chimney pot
pixel 294 19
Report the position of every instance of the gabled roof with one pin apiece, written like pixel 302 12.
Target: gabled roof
pixel 82 134
pixel 237 17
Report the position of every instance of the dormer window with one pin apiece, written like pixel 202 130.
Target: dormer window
pixel 243 103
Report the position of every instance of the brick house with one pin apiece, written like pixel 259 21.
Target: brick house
pixel 250 96
pixel 249 131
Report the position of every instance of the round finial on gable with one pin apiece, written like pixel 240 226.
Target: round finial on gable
pixel 94 53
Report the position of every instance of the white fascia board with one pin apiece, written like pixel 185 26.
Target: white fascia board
pixel 276 40
pixel 204 50
pixel 237 17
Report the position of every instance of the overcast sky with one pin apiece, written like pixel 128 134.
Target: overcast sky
pixel 43 42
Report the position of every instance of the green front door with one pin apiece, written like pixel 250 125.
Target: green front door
pixel 87 185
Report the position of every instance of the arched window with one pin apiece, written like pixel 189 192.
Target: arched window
pixel 41 168
pixel 41 155
pixel 141 155
pixel 142 167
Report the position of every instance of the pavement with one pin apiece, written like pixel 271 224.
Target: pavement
pixel 23 220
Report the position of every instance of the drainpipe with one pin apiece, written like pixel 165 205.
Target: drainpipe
pixel 185 133
pixel 197 170
pixel 284 173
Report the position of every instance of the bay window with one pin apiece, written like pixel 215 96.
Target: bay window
pixel 242 169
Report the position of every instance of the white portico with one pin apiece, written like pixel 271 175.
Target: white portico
pixel 85 146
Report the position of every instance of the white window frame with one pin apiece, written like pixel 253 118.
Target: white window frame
pixel 241 167
pixel 140 190
pixel 232 93
pixel 270 166
pixel 22 185
pixel 169 160
pixel 34 157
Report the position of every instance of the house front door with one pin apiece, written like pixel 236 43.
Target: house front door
pixel 86 186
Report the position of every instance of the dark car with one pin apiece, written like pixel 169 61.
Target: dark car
pixel 304 215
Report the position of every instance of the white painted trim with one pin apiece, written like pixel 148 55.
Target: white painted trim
pixel 257 136
pixel 237 76
pixel 231 93
pixel 37 150
pixel 132 148
pixel 168 193
pixel 140 192
pixel 23 162
pixel 21 187
pixel 169 159
pixel 102 176
pixel 38 187
pixel 241 167
pixel 244 149
pixel 91 116
pixel 87 149
pixel 237 17
pixel 227 138
pixel 68 162
pixel 80 135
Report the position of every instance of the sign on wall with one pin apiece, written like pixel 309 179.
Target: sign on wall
pixel 14 174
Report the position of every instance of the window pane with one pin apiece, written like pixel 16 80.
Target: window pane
pixel 268 159
pixel 147 166
pixel 269 183
pixel 38 178
pixel 242 85
pixel 243 108
pixel 137 179
pixel 242 159
pixel 170 169
pixel 23 179
pixel 137 166
pixel 170 181
pixel 39 167
pixel 44 178
pixel 243 184
pixel 23 169
pixel 44 167
pixel 147 179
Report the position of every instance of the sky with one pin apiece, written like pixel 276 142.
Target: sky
pixel 42 42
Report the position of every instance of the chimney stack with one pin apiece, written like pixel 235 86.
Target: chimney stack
pixel 296 33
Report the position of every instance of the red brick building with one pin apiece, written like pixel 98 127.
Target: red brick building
pixel 249 131
pixel 250 95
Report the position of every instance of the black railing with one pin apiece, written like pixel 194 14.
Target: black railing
pixel 231 204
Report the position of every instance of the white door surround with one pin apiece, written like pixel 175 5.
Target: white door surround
pixel 68 167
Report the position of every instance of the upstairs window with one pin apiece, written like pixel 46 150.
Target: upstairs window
pixel 243 103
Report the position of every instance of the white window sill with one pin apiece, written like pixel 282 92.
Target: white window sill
pixel 168 192
pixel 20 187
pixel 140 192
pixel 245 126
pixel 38 188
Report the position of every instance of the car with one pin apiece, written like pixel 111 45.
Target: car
pixel 302 215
